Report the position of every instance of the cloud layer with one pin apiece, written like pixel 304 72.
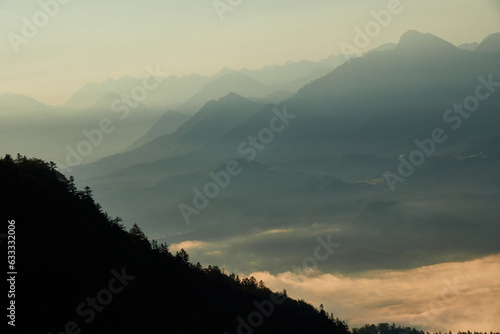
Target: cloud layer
pixel 447 296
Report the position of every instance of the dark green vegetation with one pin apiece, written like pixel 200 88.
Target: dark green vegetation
pixel 68 249
pixel 385 328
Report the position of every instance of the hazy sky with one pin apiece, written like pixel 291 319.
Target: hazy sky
pixel 88 41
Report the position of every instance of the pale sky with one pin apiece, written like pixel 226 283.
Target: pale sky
pixel 89 41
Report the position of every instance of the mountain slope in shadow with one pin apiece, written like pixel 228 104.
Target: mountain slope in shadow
pixel 82 270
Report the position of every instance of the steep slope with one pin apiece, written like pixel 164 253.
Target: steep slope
pixel 490 44
pixel 375 105
pixel 273 98
pixel 286 75
pixel 82 272
pixel 168 123
pixel 92 92
pixel 290 71
pixel 379 104
pixel 234 82
pixel 173 90
pixel 414 40
pixel 382 48
pixel 18 102
pixel 211 122
pixel 468 46
pixel 354 124
pixel 128 124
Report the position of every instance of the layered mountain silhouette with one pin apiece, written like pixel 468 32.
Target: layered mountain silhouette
pixel 468 46
pixel 327 166
pixel 490 44
pixel 168 123
pixel 326 169
pixel 53 128
pixel 233 82
pixel 175 91
pixel 212 121
pixel 92 92
pixel 82 271
pixel 11 102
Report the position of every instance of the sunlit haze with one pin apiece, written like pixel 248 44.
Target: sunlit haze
pixel 89 41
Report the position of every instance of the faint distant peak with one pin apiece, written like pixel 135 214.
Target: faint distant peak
pixel 190 76
pixel 490 44
pixel 232 99
pixel 105 101
pixel 234 78
pixel 14 100
pixel 414 40
pixel 232 96
pixel 13 95
pixel 468 46
pixel 382 48
pixel 224 71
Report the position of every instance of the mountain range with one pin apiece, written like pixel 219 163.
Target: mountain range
pixel 326 170
pixel 317 160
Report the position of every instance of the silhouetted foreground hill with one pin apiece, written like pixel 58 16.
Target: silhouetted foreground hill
pixel 79 271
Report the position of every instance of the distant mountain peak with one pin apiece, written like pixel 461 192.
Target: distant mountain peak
pixel 382 48
pixel 105 101
pixel 468 46
pixel 231 97
pixel 10 94
pixel 490 44
pixel 414 40
pixel 13 100
pixel 225 71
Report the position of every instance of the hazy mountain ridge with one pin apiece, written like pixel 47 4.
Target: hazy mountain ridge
pixel 348 128
pixel 151 289
pixel 49 126
pixel 352 124
pixel 169 122
pixel 173 90
pixel 18 101
pixel 490 44
pixel 212 121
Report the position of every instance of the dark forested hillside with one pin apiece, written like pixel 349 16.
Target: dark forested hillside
pixel 79 271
